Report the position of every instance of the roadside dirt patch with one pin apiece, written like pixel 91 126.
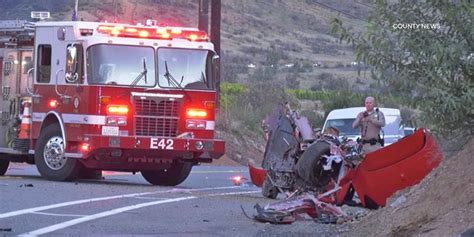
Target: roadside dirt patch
pixel 242 149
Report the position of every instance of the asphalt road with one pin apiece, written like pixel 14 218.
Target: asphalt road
pixel 206 204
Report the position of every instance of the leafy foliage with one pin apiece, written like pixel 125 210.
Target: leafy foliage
pixel 304 94
pixel 230 92
pixel 424 51
pixel 244 107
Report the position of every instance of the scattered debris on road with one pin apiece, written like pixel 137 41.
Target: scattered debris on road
pixel 26 185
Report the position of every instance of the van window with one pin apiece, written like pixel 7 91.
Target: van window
pixel 344 126
pixel 392 131
pixel 392 125
pixel 44 63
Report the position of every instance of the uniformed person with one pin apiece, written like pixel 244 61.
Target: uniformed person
pixel 370 122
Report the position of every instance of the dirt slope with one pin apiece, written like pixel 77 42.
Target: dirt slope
pixel 441 205
pixel 242 150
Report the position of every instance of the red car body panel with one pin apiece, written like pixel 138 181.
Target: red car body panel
pixel 257 175
pixel 398 166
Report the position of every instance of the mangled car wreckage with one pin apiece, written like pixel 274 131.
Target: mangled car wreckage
pixel 320 172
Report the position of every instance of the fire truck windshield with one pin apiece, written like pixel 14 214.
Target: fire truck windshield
pixel 121 65
pixel 184 68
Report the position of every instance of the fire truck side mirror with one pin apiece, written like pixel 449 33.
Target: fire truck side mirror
pixel 29 79
pixel 216 67
pixel 61 33
pixel 71 67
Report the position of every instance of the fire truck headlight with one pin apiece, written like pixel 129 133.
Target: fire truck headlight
pixel 195 124
pixel 121 121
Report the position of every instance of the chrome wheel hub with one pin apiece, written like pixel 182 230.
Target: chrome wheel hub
pixel 54 153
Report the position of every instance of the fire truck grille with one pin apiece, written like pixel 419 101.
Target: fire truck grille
pixel 155 117
pixel 147 126
pixel 154 108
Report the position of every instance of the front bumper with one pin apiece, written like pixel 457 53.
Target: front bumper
pixel 150 147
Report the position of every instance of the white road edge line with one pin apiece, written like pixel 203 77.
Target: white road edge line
pixel 42 208
pixel 55 214
pixel 218 171
pixel 150 198
pixel 228 194
pixel 77 221
pixel 66 224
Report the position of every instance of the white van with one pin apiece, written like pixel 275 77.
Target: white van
pixel 342 119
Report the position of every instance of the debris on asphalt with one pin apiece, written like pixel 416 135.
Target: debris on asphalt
pixel 26 185
pixel 400 200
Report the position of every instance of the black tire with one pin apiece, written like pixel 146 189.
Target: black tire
pixel 3 166
pixel 268 190
pixel 309 166
pixel 172 176
pixel 54 166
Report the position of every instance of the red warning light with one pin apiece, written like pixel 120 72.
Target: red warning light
pixel 153 32
pixel 53 104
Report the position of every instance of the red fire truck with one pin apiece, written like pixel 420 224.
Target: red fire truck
pixel 81 97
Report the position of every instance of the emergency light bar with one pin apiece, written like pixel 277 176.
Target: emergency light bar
pixel 153 32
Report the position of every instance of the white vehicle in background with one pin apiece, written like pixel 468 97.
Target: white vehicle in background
pixel 342 119
pixel 408 130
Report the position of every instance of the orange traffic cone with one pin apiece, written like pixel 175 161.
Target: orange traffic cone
pixel 25 126
pixel 22 142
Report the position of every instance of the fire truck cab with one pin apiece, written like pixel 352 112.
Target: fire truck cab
pixel 81 97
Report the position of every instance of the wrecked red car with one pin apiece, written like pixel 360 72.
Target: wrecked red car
pixel 319 173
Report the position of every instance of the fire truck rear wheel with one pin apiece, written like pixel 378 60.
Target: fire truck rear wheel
pixel 172 176
pixel 3 166
pixel 49 156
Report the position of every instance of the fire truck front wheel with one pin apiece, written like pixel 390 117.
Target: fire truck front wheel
pixel 172 176
pixel 49 156
pixel 3 166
